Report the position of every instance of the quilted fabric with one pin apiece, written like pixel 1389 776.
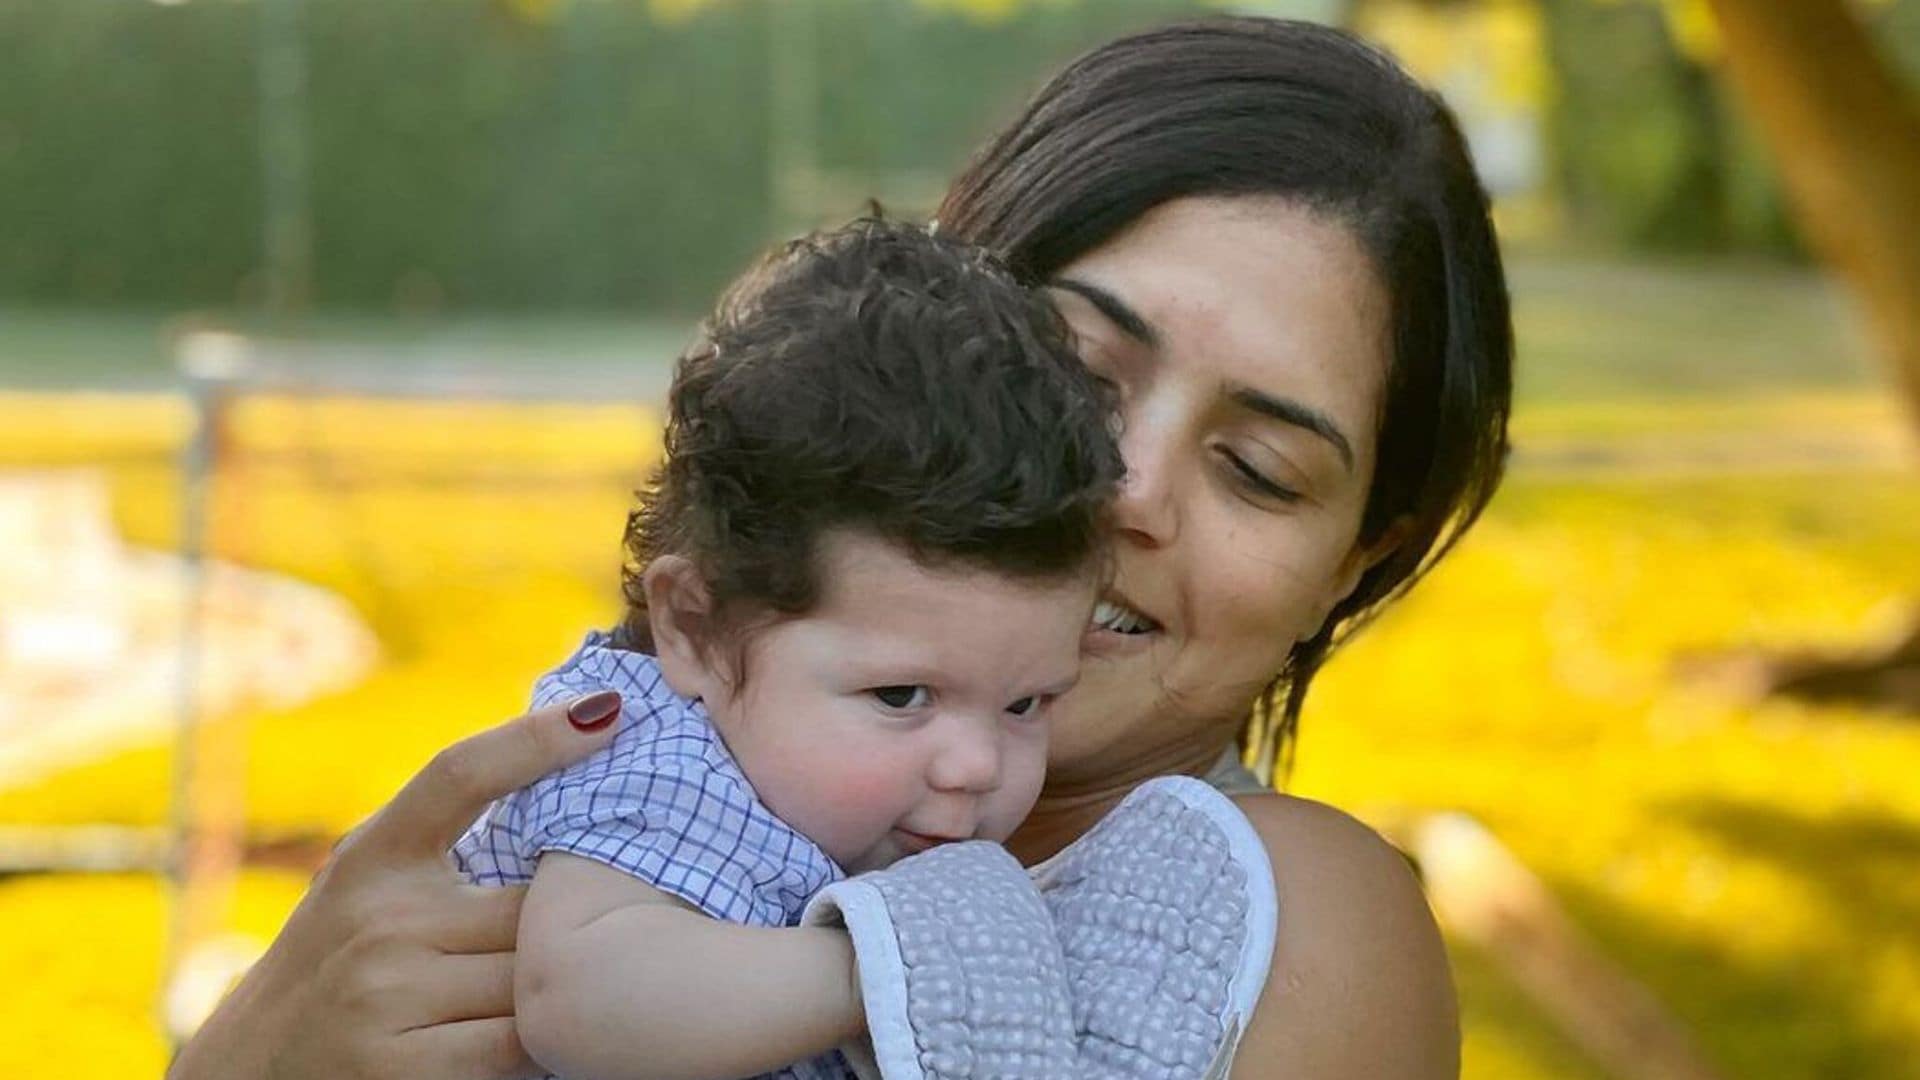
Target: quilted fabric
pixel 1151 909
pixel 1136 954
pixel 959 966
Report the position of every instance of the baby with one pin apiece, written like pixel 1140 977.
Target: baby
pixel 854 588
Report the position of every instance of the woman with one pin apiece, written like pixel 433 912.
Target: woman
pixel 1273 244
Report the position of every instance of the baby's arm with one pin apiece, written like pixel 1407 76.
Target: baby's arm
pixel 619 981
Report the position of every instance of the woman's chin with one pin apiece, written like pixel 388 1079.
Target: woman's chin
pixel 1138 709
pixel 1106 717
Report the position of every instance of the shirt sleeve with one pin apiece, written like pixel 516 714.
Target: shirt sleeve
pixel 652 805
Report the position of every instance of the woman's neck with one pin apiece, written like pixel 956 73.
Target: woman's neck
pixel 1068 807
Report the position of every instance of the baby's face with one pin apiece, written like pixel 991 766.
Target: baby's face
pixel 910 707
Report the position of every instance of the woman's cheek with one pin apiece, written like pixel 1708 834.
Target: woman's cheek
pixel 1248 621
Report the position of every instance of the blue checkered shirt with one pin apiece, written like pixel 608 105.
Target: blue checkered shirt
pixel 665 802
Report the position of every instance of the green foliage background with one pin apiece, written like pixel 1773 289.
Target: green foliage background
pixel 1649 150
pixel 599 155
pixel 616 154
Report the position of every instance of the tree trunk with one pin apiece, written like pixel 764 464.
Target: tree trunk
pixel 1845 136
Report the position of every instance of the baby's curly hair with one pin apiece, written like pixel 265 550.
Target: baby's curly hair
pixel 880 379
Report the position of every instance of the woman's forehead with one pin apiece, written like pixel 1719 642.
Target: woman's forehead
pixel 1255 292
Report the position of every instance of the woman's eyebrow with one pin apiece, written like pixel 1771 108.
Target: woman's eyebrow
pixel 1285 410
pixel 1114 308
pixel 1292 412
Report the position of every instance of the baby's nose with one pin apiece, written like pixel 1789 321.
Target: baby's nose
pixel 968 760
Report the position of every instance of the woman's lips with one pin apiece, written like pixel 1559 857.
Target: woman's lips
pixel 1121 618
pixel 1117 628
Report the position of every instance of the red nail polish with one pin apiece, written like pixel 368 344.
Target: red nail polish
pixel 595 711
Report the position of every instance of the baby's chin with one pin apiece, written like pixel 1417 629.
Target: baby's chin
pixel 889 850
pixel 896 847
pixel 869 862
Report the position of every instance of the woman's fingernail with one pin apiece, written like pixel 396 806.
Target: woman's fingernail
pixel 595 711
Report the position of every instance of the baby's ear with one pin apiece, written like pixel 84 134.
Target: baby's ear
pixel 680 614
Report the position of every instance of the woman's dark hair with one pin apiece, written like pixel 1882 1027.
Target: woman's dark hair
pixel 878 379
pixel 1268 107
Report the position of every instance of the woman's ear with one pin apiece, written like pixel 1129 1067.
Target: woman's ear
pixel 680 614
pixel 1362 558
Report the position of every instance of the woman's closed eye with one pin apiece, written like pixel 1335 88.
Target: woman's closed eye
pixel 1099 357
pixel 902 697
pixel 1253 480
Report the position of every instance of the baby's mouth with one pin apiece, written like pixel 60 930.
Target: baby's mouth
pixel 919 842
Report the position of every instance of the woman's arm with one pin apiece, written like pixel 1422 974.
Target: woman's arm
pixel 620 981
pixel 1360 985
pixel 391 966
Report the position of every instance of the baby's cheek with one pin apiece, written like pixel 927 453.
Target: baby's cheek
pixel 1026 772
pixel 804 788
pixel 869 793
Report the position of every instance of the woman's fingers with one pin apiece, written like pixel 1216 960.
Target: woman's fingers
pixel 468 1050
pixel 478 986
pixel 477 919
pixel 438 804
pixel 391 966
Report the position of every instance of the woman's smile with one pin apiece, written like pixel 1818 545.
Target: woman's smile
pixel 1243 341
pixel 1119 627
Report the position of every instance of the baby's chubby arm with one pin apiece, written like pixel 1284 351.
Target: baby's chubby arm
pixel 619 981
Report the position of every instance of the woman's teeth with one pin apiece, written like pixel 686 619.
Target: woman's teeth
pixel 1111 616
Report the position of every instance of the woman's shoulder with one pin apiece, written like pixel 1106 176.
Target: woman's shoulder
pixel 1360 985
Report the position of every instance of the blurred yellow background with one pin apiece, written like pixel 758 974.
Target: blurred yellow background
pixel 1711 470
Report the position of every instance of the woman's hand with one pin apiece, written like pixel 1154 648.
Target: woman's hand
pixel 391 966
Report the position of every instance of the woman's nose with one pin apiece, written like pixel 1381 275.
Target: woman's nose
pixel 968 759
pixel 1143 509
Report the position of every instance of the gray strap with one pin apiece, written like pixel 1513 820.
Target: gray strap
pixel 960 971
pixel 1166 914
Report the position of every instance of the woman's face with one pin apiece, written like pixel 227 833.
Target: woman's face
pixel 1248 339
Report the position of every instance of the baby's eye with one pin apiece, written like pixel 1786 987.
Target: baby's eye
pixel 901 697
pixel 1026 706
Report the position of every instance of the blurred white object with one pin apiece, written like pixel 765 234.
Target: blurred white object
pixel 204 976
pixel 213 354
pixel 90 631
pixel 59 612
